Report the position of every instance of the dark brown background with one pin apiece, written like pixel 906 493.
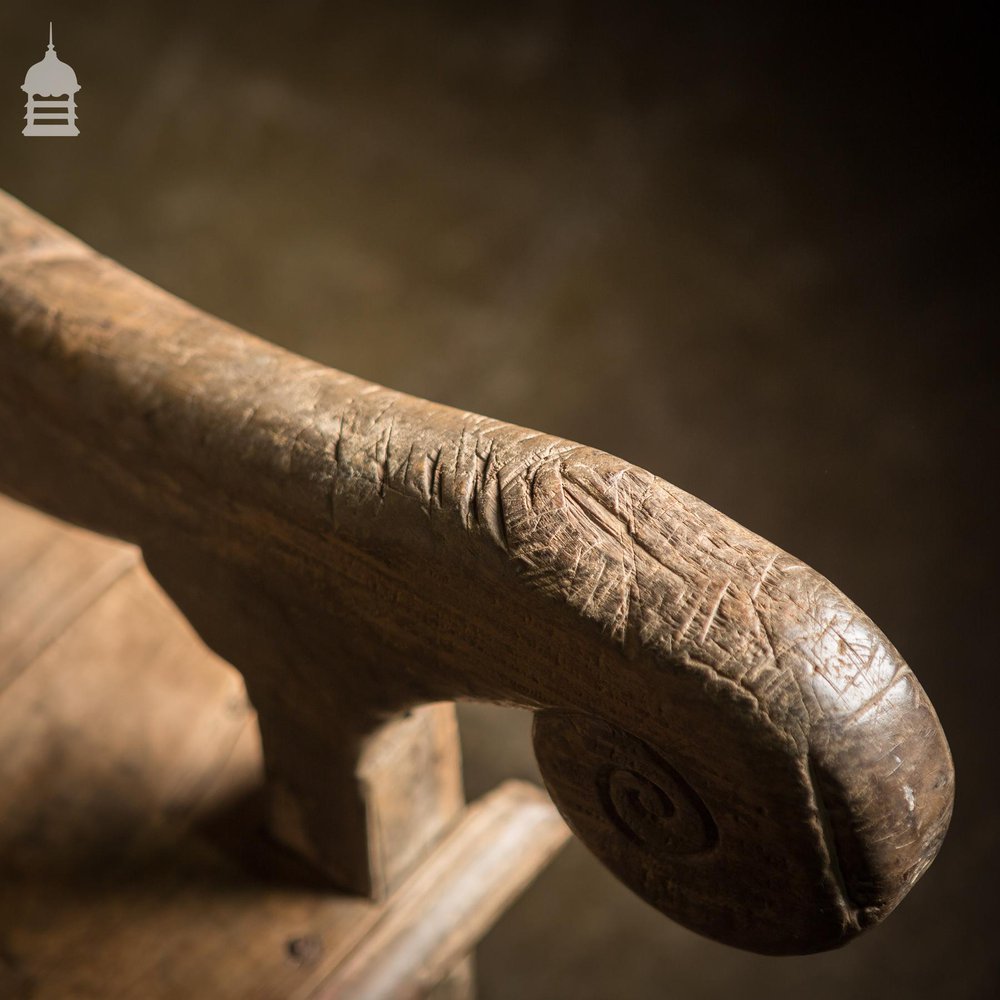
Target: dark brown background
pixel 749 252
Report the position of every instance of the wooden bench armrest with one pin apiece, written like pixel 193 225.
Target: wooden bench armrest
pixel 721 726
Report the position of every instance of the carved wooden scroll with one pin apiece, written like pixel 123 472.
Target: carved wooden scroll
pixel 724 729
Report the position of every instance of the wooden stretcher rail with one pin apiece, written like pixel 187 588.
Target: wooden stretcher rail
pixel 721 726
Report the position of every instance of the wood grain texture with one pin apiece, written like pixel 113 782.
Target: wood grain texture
pixel 439 913
pixel 735 739
pixel 133 860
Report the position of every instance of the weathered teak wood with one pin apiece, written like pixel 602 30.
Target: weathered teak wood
pixel 132 863
pixel 720 725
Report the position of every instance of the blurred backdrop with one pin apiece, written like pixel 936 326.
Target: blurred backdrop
pixel 747 250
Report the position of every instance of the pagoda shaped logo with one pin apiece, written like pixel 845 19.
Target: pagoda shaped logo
pixel 51 87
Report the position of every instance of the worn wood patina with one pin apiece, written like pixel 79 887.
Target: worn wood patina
pixel 720 725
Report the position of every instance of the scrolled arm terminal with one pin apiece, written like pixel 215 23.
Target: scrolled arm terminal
pixel 721 726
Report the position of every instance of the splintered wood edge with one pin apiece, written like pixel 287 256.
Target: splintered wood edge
pixel 448 904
